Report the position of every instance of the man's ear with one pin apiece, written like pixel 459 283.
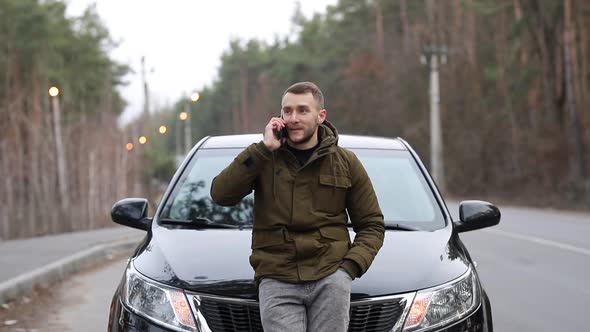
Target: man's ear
pixel 323 114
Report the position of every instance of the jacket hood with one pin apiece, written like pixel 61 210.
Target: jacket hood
pixel 328 134
pixel 327 141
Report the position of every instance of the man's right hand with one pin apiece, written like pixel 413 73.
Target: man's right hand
pixel 270 140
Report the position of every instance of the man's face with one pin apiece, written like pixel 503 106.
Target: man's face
pixel 303 116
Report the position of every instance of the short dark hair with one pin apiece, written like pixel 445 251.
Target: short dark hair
pixel 305 87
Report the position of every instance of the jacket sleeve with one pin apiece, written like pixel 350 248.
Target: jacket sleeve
pixel 366 217
pixel 237 179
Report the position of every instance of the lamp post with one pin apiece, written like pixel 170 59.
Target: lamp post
pixel 185 116
pixel 59 149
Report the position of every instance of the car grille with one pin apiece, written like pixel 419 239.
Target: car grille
pixel 223 315
pixel 375 316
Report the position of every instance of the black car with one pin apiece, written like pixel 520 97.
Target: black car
pixel 191 272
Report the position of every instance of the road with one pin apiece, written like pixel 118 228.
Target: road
pixel 86 299
pixel 535 267
pixel 79 303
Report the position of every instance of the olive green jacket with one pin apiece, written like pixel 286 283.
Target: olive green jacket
pixel 300 213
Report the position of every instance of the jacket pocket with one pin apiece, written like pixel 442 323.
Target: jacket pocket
pixel 337 242
pixel 272 254
pixel 330 193
pixel 267 238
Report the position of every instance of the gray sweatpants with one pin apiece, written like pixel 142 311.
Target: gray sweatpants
pixel 316 306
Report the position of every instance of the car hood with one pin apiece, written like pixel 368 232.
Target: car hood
pixel 216 262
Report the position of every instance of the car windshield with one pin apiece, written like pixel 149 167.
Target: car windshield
pixel 403 193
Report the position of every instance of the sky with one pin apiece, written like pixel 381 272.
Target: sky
pixel 182 40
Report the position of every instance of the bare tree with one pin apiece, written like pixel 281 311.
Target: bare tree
pixel 578 162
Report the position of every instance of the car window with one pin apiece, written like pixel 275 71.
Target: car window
pixel 402 191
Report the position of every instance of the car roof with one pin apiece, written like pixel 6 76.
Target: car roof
pixel 345 141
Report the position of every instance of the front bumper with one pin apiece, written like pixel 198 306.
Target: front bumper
pixel 123 320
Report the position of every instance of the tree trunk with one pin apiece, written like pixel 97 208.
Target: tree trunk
pixel 236 109
pixel 470 38
pixel 8 195
pixel 432 24
pixel 548 78
pixel 245 125
pixel 501 49
pixel 380 39
pixel 577 161
pixel 457 33
pixel 403 16
pixel 92 187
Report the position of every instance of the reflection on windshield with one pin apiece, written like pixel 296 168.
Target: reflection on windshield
pixel 191 198
pixel 193 204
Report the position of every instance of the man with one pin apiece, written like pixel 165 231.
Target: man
pixel 303 185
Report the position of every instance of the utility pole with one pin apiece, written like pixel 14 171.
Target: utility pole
pixel 433 55
pixel 177 138
pixel 187 128
pixel 146 97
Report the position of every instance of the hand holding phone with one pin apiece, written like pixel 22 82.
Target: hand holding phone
pixel 275 133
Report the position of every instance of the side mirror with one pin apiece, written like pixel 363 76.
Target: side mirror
pixel 132 212
pixel 476 215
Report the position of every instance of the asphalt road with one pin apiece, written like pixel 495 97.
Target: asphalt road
pixel 535 267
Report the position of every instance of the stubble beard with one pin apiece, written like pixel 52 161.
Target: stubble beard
pixel 308 135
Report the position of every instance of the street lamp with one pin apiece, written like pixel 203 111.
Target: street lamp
pixel 59 149
pixel 53 91
pixel 129 146
pixel 195 97
pixel 183 116
pixel 162 129
pixel 142 140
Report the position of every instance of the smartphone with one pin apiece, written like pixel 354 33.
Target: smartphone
pixel 282 134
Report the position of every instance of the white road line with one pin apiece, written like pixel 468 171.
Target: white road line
pixel 539 240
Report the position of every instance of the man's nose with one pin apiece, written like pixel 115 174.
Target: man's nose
pixel 293 117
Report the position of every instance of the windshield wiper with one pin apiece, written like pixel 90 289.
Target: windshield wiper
pixel 201 223
pixel 396 227
pixel 401 227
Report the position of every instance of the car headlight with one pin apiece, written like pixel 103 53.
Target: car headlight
pixel 444 304
pixel 156 302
